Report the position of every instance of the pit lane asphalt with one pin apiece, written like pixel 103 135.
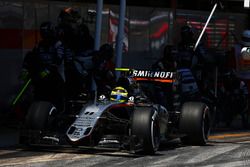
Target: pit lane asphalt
pixel 228 149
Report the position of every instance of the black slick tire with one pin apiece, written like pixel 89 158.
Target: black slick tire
pixel 38 114
pixel 194 123
pixel 145 126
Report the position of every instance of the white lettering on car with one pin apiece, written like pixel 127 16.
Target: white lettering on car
pixel 157 74
pixel 153 74
pixel 162 75
pixel 141 73
pixel 135 72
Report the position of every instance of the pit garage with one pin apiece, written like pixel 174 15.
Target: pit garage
pixel 138 33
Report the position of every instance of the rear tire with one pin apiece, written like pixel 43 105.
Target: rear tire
pixel 145 126
pixel 195 123
pixel 245 114
pixel 38 115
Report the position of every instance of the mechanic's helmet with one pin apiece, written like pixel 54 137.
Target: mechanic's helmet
pixel 47 30
pixel 245 39
pixel 119 94
pixel 69 16
pixel 187 32
pixel 245 53
pixel 107 51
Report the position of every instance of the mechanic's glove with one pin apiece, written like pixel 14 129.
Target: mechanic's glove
pixel 24 75
pixel 44 73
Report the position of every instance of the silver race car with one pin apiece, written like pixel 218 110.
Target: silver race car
pixel 125 120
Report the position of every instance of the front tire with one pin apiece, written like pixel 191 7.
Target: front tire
pixel 145 126
pixel 195 123
pixel 38 115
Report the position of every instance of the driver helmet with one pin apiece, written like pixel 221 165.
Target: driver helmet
pixel 245 38
pixel 119 94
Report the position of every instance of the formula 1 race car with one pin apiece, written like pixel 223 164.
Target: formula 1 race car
pixel 123 121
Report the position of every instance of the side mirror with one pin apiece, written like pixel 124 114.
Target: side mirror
pixel 131 99
pixel 102 97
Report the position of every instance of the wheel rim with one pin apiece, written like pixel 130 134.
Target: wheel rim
pixel 52 110
pixel 155 132
pixel 51 116
pixel 205 124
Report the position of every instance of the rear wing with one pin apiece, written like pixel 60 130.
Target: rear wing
pixel 149 75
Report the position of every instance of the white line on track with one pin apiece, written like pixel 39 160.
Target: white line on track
pixel 228 164
pixel 210 154
pixel 164 161
pixel 4 152
pixel 41 158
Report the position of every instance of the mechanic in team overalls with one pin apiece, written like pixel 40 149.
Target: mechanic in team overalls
pixel 104 69
pixel 43 64
pixel 68 34
pixel 237 76
pixel 166 62
pixel 238 61
pixel 163 93
pixel 188 62
pixel 84 53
